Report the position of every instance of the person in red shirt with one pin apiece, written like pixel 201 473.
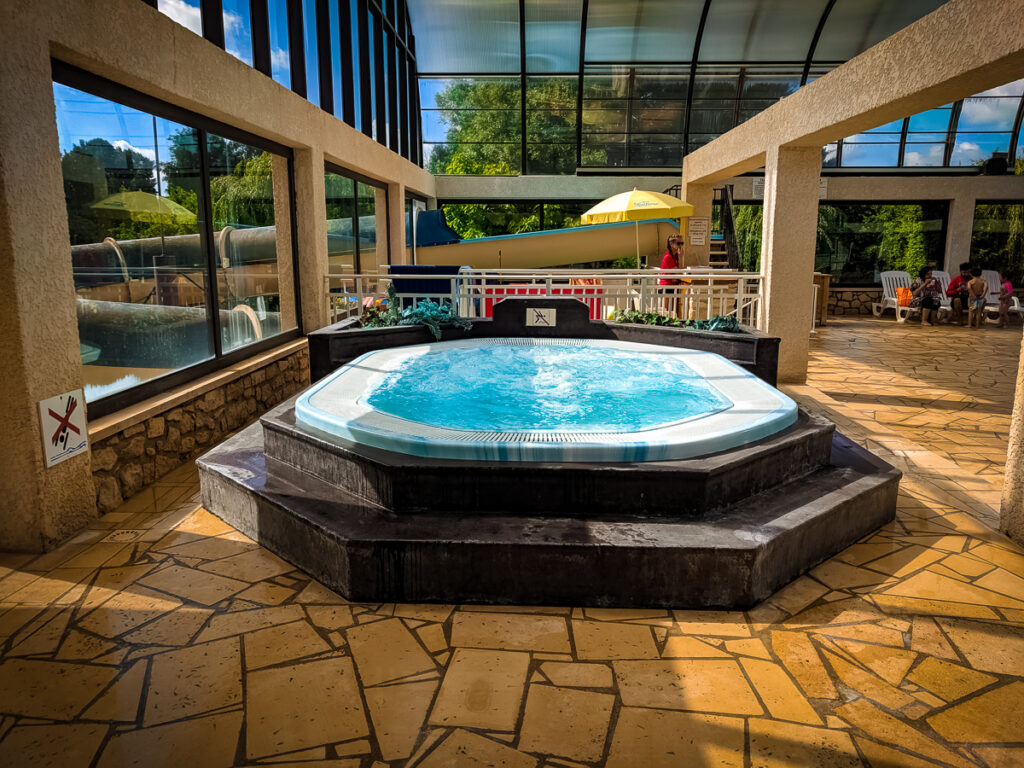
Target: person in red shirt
pixel 957 292
pixel 673 253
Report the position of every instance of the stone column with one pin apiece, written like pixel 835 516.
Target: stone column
pixel 787 252
pixel 283 238
pixel 959 227
pixel 311 236
pixel 396 224
pixel 701 197
pixel 1011 511
pixel 38 325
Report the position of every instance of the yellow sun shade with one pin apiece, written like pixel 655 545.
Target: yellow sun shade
pixel 637 205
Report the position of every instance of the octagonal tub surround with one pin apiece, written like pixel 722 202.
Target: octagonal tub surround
pixel 545 400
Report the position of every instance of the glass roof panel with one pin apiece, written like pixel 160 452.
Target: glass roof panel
pixel 988 114
pixel 455 36
pixel 770 30
pixel 553 35
pixel 853 26
pixel 642 30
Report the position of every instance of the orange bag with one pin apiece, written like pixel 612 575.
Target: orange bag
pixel 903 296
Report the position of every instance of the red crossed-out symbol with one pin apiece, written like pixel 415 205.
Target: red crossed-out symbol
pixel 64 422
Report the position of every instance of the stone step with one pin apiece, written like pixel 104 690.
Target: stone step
pixel 732 559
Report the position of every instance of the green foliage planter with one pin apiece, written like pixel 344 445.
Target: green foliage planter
pixel 723 323
pixel 426 312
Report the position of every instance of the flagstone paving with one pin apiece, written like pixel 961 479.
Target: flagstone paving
pixel 162 637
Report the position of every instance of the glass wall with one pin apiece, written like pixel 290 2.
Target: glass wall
pixel 857 241
pixel 472 125
pixel 170 273
pixel 471 220
pixel 354 58
pixel 997 240
pixel 356 213
pixel 639 83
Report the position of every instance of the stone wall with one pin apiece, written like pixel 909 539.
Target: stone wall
pixel 124 462
pixel 853 301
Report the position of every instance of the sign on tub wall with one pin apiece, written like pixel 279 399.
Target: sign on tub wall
pixel 62 419
pixel 540 317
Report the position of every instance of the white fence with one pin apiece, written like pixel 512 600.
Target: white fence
pixel 699 295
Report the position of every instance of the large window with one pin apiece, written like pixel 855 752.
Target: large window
pixel 997 241
pixel 176 258
pixel 857 241
pixel 356 215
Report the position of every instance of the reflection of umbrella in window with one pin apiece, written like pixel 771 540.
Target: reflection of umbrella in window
pixel 145 206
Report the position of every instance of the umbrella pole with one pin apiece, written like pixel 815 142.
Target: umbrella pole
pixel 637 226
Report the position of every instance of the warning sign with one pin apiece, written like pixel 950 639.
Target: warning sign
pixel 63 421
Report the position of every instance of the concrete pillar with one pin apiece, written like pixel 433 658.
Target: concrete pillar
pixel 38 325
pixel 1011 511
pixel 959 228
pixel 381 252
pixel 787 252
pixel 701 197
pixel 283 238
pixel 311 236
pixel 396 224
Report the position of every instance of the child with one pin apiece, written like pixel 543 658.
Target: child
pixel 977 290
pixel 1005 292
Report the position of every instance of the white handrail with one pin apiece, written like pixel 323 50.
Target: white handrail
pixel 701 293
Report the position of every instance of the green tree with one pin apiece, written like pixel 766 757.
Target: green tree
pixel 245 197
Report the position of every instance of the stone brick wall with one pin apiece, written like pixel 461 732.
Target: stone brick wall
pixel 124 462
pixel 852 301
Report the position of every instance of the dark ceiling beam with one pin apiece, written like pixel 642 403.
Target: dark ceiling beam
pixel 522 86
pixel 693 76
pixel 814 41
pixel 579 83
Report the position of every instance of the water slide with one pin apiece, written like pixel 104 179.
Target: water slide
pixel 554 247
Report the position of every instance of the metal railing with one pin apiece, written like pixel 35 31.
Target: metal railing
pixel 699 295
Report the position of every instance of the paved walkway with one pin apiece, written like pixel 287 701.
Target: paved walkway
pixel 162 637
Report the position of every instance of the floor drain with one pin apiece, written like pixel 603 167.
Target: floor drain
pixel 125 535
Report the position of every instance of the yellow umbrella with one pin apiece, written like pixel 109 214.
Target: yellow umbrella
pixel 637 206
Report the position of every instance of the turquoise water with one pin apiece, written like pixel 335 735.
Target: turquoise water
pixel 564 388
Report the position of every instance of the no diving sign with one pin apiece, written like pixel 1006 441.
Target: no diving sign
pixel 63 422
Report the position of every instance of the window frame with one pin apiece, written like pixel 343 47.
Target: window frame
pixel 80 79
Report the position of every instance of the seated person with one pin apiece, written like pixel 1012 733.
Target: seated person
pixel 977 290
pixel 927 295
pixel 1005 296
pixel 957 292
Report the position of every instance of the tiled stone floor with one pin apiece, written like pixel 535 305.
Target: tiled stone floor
pixel 162 637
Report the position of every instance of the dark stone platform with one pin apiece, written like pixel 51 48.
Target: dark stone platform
pixel 687 488
pixel 732 557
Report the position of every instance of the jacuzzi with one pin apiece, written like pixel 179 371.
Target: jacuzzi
pixel 545 400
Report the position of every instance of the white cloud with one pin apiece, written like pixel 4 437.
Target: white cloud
pixel 183 13
pixel 1010 89
pixel 125 146
pixel 988 114
pixel 931 157
pixel 279 60
pixel 965 153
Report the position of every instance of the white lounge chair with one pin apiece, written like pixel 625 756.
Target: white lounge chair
pixel 890 282
pixel 946 307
